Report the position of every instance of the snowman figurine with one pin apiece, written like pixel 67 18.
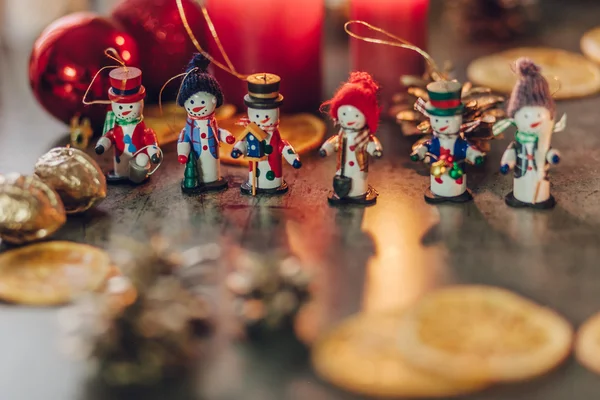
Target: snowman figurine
pixel 260 143
pixel 532 109
pixel 135 145
pixel 355 109
pixel 447 151
pixel 199 140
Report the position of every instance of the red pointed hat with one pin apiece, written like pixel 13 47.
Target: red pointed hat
pixel 126 85
pixel 361 92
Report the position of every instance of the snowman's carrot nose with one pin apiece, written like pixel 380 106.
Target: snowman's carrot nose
pixel 265 120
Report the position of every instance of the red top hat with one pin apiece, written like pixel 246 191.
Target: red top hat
pixel 126 85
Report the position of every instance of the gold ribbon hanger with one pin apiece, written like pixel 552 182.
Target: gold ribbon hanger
pixel 397 42
pixel 114 55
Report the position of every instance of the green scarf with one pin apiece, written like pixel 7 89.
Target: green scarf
pixel 111 120
pixel 525 137
pixel 123 122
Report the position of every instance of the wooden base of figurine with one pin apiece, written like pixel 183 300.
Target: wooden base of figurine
pixel 432 198
pixel 367 199
pixel 113 179
pixel 511 201
pixel 246 189
pixel 215 186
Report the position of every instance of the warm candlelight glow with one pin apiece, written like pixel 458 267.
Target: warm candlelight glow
pixel 69 72
pixel 404 18
pixel 120 40
pixel 402 269
pixel 281 37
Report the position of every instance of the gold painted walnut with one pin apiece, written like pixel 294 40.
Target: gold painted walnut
pixel 74 175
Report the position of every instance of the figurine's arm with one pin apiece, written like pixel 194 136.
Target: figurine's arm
pixel 105 142
pixel 553 156
pixel 239 149
pixel 184 145
pixel 420 151
pixel 330 146
pixel 226 136
pixel 509 158
pixel 153 150
pixel 374 147
pixel 290 154
pixel 475 155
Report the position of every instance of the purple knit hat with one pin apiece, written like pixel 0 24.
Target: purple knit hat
pixel 531 89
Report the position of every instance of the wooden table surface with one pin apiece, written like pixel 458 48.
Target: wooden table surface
pixel 365 259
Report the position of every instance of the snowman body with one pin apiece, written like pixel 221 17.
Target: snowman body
pixel 530 154
pixel 445 185
pixel 352 169
pixel 130 138
pixel 266 155
pixel 450 151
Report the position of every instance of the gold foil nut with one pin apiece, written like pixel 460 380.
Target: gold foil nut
pixel 29 209
pixel 74 175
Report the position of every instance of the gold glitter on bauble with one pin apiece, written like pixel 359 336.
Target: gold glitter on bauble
pixel 74 175
pixel 29 209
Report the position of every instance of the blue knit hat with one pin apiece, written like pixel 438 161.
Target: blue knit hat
pixel 199 81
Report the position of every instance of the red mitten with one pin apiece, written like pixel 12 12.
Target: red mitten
pixel 230 139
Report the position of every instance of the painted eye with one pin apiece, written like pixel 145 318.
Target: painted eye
pixel 437 120
pixel 131 107
pixel 526 116
pixel 447 121
pixel 356 115
pixel 344 114
pixel 202 101
pixel 120 107
pixel 257 116
pixel 539 115
pixel 191 101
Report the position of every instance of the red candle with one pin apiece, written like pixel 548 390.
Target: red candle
pixel 275 36
pixel 406 19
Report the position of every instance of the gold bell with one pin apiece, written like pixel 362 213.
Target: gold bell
pixel 438 168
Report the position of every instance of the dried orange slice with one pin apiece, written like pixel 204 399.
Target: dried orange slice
pixel 587 346
pixel 51 273
pixel 361 355
pixel 569 75
pixel 305 132
pixel 472 332
pixel 168 125
pixel 590 44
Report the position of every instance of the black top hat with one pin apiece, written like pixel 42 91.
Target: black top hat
pixel 263 92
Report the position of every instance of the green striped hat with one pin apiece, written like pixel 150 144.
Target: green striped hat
pixel 444 98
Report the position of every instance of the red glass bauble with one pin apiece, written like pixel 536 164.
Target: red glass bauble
pixel 165 47
pixel 66 57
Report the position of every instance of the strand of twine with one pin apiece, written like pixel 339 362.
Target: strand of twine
pixel 397 42
pixel 229 68
pixel 114 55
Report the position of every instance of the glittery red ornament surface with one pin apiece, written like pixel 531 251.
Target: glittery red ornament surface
pixel 165 47
pixel 66 57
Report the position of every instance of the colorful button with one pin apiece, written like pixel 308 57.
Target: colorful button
pixel 205 147
pixel 203 136
pixel 268 149
pixel 351 163
pixel 270 175
pixel 352 148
